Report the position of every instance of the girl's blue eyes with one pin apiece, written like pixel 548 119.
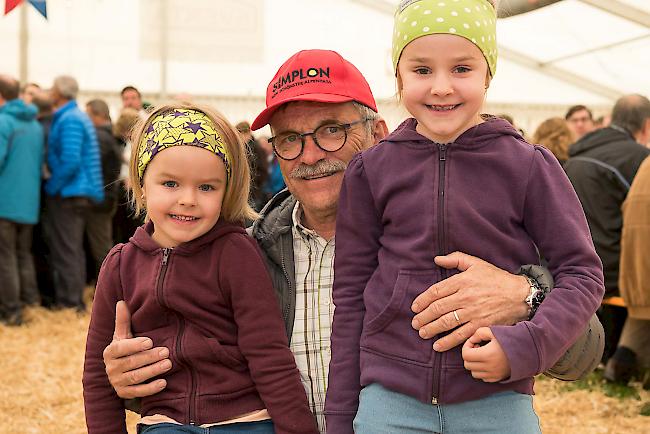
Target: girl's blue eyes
pixel 202 187
pixel 458 70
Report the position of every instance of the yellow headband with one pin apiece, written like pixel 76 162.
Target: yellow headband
pixel 181 127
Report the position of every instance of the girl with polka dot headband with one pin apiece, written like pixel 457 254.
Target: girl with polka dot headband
pixel 450 179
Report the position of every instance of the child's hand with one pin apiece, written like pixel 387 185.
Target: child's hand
pixel 485 358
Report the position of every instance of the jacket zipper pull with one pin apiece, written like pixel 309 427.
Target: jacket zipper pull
pixel 443 149
pixel 166 252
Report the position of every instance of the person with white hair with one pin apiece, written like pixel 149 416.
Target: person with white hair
pixel 76 181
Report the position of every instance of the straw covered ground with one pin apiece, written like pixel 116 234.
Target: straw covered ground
pixel 40 386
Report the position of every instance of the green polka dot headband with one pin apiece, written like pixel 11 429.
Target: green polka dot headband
pixel 474 20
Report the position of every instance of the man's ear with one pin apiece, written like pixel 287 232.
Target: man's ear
pixel 643 136
pixel 379 130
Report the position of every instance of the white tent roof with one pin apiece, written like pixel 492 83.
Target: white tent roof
pixel 573 51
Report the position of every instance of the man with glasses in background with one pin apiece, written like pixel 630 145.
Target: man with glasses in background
pixel 321 111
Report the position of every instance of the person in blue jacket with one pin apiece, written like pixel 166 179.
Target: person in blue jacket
pixel 75 183
pixel 21 156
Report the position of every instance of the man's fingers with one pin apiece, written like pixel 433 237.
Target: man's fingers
pixel 126 347
pixel 142 390
pixel 121 366
pixel 435 292
pixel 122 321
pixel 459 260
pixel 138 376
pixel 455 338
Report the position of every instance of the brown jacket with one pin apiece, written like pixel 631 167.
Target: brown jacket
pixel 210 301
pixel 634 281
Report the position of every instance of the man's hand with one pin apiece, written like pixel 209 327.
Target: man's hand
pixel 485 358
pixel 130 361
pixel 481 295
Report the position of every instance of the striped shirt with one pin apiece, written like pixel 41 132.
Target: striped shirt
pixel 310 341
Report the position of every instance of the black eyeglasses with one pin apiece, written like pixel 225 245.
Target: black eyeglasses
pixel 328 137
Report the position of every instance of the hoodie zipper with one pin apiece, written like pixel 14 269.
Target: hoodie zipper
pixel 442 160
pixel 181 330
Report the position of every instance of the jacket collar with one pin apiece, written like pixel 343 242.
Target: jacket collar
pixel 482 134
pixel 142 238
pixel 70 105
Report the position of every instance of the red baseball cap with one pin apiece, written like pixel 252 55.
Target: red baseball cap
pixel 315 75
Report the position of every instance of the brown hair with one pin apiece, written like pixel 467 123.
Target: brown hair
pixel 235 207
pixel 125 123
pixel 555 135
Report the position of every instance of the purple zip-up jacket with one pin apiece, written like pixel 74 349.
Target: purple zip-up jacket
pixel 408 199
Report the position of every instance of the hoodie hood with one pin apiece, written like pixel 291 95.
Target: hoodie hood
pixel 18 109
pixel 482 134
pixel 142 238
pixel 597 138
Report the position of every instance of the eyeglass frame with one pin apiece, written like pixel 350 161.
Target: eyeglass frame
pixel 302 136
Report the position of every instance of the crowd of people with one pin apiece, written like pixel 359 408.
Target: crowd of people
pixel 441 302
pixel 66 187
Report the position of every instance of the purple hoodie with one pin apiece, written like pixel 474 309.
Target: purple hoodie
pixel 408 199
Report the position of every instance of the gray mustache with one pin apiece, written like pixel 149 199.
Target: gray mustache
pixel 321 168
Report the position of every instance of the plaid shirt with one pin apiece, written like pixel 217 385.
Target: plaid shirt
pixel 310 341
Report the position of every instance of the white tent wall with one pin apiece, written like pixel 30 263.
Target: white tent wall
pixel 225 51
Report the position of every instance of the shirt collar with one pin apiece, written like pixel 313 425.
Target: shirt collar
pixel 296 218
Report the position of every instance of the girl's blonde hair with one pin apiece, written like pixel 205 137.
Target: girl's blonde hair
pixel 235 207
pixel 555 135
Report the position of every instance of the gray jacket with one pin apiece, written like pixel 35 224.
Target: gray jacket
pixel 272 231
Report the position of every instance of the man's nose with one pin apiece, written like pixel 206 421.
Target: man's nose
pixel 312 153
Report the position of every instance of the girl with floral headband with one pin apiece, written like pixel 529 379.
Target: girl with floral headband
pixel 195 283
pixel 450 179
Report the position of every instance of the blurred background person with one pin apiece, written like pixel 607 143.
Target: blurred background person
pixel 275 182
pixel 601 167
pixel 125 221
pixel 28 92
pixel 555 135
pixel 40 251
pixel 75 183
pixel 132 98
pixel 580 120
pixel 99 224
pixel 632 356
pixel 257 161
pixel 21 157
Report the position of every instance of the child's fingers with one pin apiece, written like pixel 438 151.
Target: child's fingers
pixel 475 348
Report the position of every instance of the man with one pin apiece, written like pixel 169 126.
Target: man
pixel 322 103
pixel 99 224
pixel 29 91
pixel 601 167
pixel 580 121
pixel 21 157
pixel 632 357
pixel 131 98
pixel 75 182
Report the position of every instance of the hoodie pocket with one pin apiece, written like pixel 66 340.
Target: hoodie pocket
pixel 228 355
pixel 390 332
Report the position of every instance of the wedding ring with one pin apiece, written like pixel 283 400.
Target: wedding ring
pixel 456 316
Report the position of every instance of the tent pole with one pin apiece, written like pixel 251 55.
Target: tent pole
pixel 620 9
pixel 23 44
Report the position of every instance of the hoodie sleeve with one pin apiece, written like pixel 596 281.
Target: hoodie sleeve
pixel 358 228
pixel 104 409
pixel 262 338
pixel 555 221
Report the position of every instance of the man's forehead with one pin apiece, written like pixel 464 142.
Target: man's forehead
pixel 305 114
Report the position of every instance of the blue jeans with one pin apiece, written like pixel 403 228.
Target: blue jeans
pixel 382 411
pixel 260 427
